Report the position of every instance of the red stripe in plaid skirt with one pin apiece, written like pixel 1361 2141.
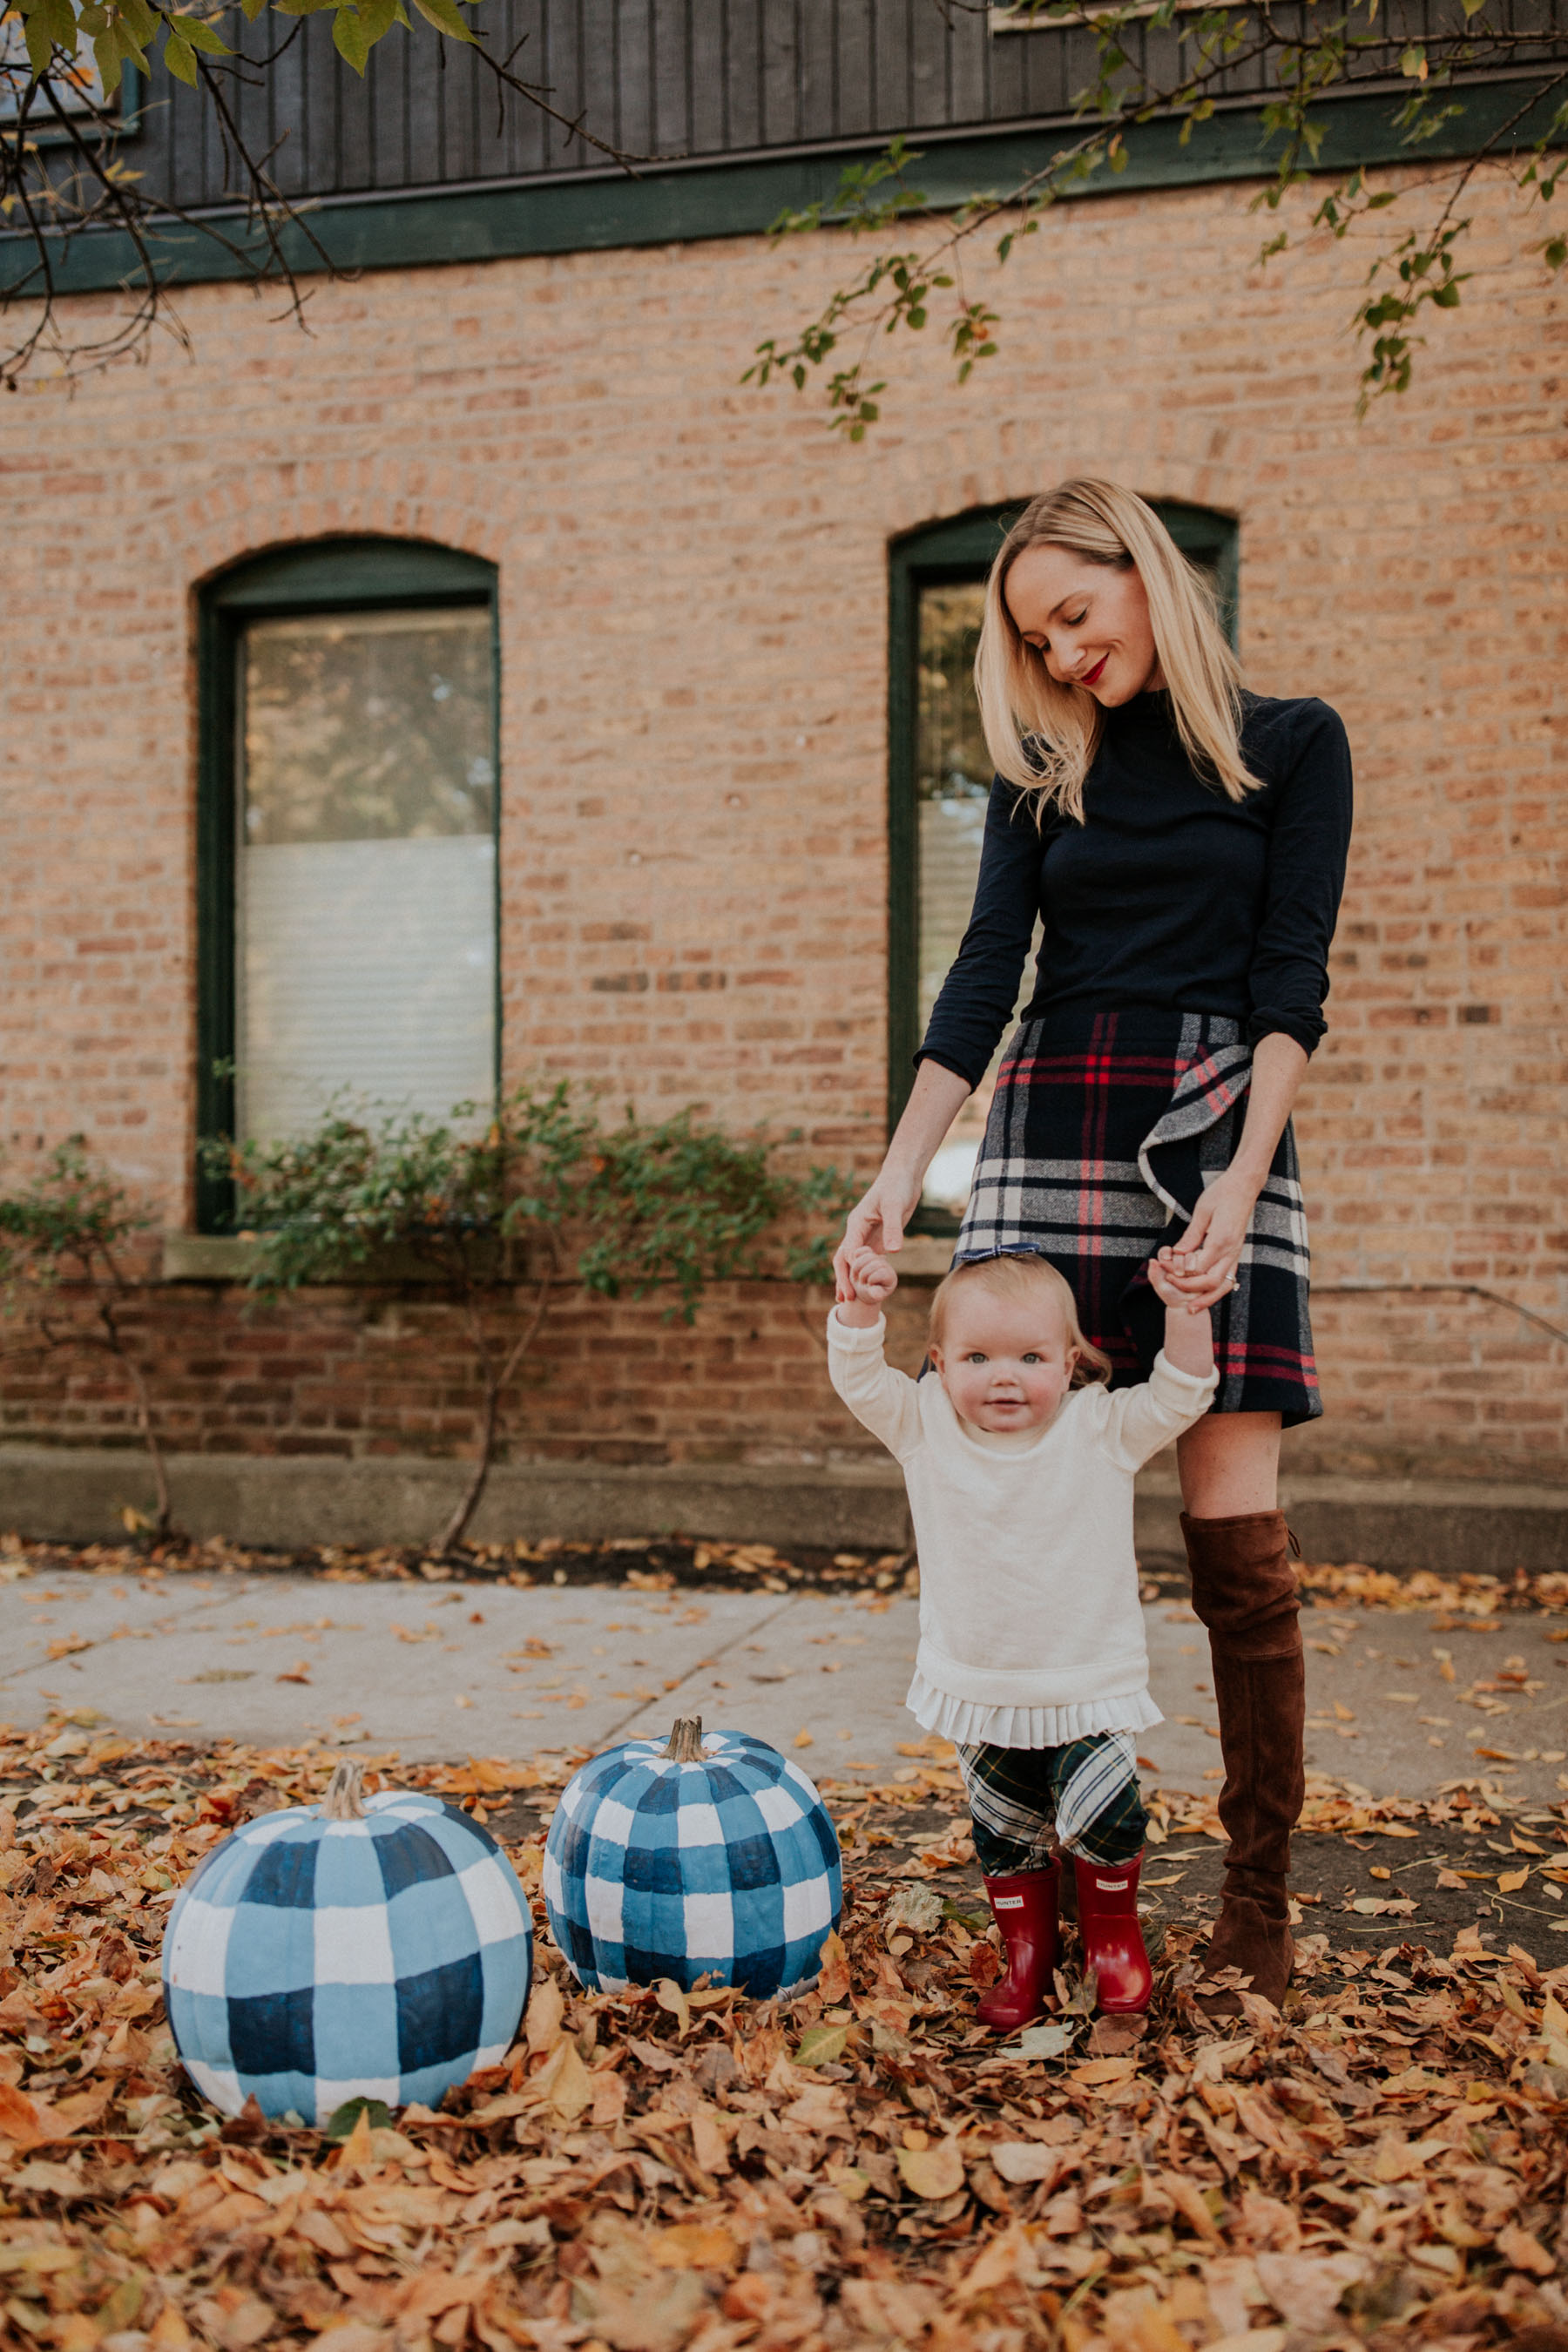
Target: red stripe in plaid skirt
pixel 1256 1356
pixel 1115 1071
pixel 1095 1069
pixel 1104 1130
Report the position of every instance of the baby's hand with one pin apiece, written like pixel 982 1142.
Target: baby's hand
pixel 1166 1286
pixel 1189 1329
pixel 872 1277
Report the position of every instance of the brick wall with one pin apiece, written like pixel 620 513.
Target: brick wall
pixel 362 1372
pixel 693 652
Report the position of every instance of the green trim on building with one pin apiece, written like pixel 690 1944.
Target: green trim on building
pixel 417 228
pixel 963 549
pixel 321 575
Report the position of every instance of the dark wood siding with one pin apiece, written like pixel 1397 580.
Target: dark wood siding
pixel 672 79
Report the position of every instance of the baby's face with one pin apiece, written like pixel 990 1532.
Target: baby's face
pixel 1005 1362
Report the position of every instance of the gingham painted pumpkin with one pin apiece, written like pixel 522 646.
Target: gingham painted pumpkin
pixel 378 1950
pixel 711 1856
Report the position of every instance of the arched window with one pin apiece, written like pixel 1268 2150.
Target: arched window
pixel 346 836
pixel 940 778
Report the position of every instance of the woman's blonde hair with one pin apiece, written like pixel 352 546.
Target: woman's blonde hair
pixel 1015 1277
pixel 1042 736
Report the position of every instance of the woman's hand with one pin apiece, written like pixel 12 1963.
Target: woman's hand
pixel 876 1224
pixel 1203 1263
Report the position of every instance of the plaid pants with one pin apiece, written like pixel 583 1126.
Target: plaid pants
pixel 1086 1792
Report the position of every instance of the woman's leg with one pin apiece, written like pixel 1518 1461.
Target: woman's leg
pixel 1246 1594
pixel 1229 1464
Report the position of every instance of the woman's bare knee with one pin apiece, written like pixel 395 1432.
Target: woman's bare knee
pixel 1229 1464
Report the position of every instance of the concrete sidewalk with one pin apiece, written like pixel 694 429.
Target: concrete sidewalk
pixel 1398 1704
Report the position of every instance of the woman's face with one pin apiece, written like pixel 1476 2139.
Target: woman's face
pixel 1089 621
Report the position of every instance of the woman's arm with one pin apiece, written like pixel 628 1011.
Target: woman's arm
pixel 976 1002
pixel 1309 837
pixel 877 1222
pixel 1287 982
pixel 1205 1258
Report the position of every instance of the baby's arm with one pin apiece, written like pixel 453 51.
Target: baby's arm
pixel 1139 1420
pixel 882 1399
pixel 1189 1332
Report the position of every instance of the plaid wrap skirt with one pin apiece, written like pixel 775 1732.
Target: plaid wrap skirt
pixel 1103 1132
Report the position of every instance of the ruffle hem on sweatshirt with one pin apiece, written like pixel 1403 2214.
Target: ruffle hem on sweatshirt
pixel 969 1726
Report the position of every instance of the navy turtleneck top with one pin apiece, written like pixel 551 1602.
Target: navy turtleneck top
pixel 1168 894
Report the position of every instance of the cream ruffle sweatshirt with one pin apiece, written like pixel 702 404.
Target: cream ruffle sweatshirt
pixel 1031 1632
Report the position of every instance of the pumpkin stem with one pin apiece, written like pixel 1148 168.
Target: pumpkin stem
pixel 344 1799
pixel 686 1741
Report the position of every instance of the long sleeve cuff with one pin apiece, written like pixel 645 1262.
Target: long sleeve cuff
pixel 1188 1393
pixel 855 1338
pixel 947 1061
pixel 1307 1029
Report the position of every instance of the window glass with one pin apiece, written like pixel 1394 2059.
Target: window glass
pixel 953 785
pixel 365 863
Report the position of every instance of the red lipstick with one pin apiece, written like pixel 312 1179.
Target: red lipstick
pixel 1091 676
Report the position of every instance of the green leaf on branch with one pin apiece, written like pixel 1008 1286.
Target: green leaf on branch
pixel 357 29
pixel 352 36
pixel 443 16
pixel 197 33
pixel 46 24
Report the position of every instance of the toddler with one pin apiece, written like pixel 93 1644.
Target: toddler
pixel 1019 1464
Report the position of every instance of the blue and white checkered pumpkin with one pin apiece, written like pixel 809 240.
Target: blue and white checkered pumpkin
pixel 725 1864
pixel 325 1954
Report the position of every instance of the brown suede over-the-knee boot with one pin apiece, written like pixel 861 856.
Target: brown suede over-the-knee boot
pixel 1246 1594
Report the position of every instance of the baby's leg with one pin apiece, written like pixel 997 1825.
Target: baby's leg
pixel 1099 1806
pixel 1010 1804
pixel 1100 1821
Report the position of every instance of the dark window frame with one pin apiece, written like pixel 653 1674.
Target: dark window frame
pixel 324 575
pixel 960 548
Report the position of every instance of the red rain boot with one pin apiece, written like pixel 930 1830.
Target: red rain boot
pixel 1112 1940
pixel 1025 1908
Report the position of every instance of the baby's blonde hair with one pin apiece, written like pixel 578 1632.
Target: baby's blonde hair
pixel 1016 1278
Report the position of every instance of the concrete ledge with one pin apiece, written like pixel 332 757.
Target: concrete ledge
pixel 231 1258
pixel 1454 1527
pixel 208 1257
pixel 76 1496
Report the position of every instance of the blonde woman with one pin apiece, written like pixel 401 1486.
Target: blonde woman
pixel 1183 842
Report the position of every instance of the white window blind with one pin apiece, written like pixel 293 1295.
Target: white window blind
pixel 366 866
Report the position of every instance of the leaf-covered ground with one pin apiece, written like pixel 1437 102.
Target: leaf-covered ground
pixel 1386 2165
